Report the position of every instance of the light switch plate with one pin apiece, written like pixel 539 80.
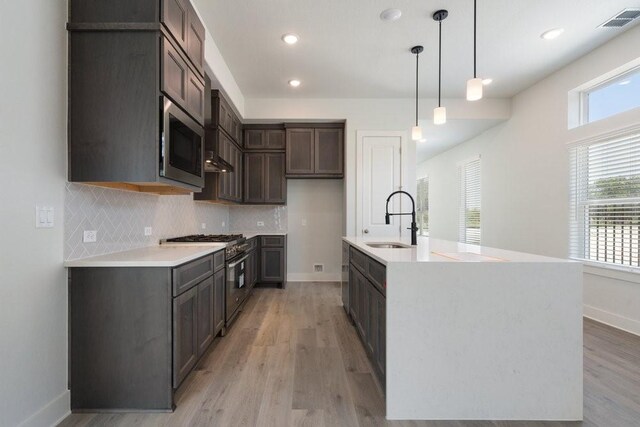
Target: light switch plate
pixel 44 216
pixel 148 231
pixel 90 236
pixel 204 226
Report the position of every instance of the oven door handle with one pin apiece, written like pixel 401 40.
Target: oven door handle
pixel 233 265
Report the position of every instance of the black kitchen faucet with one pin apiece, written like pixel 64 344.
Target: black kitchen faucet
pixel 414 226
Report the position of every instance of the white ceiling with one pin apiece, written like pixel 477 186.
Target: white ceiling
pixel 346 51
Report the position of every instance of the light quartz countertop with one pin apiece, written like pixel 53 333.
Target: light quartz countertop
pixel 165 255
pixel 436 250
pixel 152 256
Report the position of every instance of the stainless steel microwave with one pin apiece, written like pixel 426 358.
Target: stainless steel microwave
pixel 181 146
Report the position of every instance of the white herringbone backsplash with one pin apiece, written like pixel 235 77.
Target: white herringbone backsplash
pixel 246 218
pixel 120 217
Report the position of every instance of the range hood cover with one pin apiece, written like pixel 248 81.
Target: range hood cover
pixel 215 163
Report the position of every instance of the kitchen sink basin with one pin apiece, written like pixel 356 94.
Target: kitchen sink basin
pixel 388 245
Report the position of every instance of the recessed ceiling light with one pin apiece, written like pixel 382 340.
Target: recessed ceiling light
pixel 422 140
pixel 552 34
pixel 624 82
pixel 294 83
pixel 487 81
pixel 290 38
pixel 390 14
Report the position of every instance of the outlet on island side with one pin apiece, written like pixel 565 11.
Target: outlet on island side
pixel 204 225
pixel 260 223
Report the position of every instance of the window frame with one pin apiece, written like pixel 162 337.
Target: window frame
pixel 584 94
pixel 578 186
pixel 462 200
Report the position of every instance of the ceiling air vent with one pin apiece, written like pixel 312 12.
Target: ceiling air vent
pixel 622 18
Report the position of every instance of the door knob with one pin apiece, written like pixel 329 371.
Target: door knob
pixel 365 231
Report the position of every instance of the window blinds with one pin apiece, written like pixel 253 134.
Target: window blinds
pixel 422 208
pixel 605 201
pixel 469 218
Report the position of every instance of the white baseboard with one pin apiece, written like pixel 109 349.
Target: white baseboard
pixel 611 319
pixel 52 413
pixel 314 277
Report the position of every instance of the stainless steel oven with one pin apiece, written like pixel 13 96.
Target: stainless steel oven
pixel 237 289
pixel 182 146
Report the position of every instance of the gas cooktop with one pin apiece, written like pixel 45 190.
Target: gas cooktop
pixel 205 238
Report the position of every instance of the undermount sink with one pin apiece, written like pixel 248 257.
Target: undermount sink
pixel 388 245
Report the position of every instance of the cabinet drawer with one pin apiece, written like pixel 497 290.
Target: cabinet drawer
pixel 359 260
pixel 218 260
pixel 273 241
pixel 188 275
pixel 377 273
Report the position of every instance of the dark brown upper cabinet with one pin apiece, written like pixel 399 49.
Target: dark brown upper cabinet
pixel 264 179
pixel 124 58
pixel 264 138
pixel 300 151
pixel 315 152
pixel 180 83
pixel 223 117
pixel 183 24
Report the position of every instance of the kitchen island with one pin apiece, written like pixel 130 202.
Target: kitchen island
pixel 468 332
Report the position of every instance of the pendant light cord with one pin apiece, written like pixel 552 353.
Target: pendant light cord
pixel 474 37
pixel 417 57
pixel 439 60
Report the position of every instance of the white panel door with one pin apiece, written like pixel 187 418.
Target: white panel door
pixel 379 175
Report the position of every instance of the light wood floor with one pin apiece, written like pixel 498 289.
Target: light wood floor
pixel 293 359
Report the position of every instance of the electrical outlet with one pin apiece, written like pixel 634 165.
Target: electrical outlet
pixel 223 224
pixel 148 231
pixel 318 268
pixel 260 223
pixel 204 226
pixel 304 222
pixel 90 236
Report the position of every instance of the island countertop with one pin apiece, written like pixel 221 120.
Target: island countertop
pixel 438 250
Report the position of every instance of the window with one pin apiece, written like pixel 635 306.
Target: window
pixel 469 221
pixel 422 206
pixel 614 96
pixel 605 200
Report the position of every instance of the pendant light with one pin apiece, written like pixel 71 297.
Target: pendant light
pixel 474 85
pixel 440 112
pixel 416 131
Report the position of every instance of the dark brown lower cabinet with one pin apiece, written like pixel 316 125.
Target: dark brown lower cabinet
pixel 273 260
pixel 185 341
pixel 135 333
pixel 205 329
pixel 219 304
pixel 368 310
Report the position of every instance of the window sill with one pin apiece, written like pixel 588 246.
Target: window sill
pixel 627 274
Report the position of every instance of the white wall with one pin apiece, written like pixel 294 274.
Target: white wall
pixel 33 291
pixel 320 204
pixel 525 178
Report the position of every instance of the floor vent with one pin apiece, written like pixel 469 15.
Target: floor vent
pixel 318 268
pixel 622 18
